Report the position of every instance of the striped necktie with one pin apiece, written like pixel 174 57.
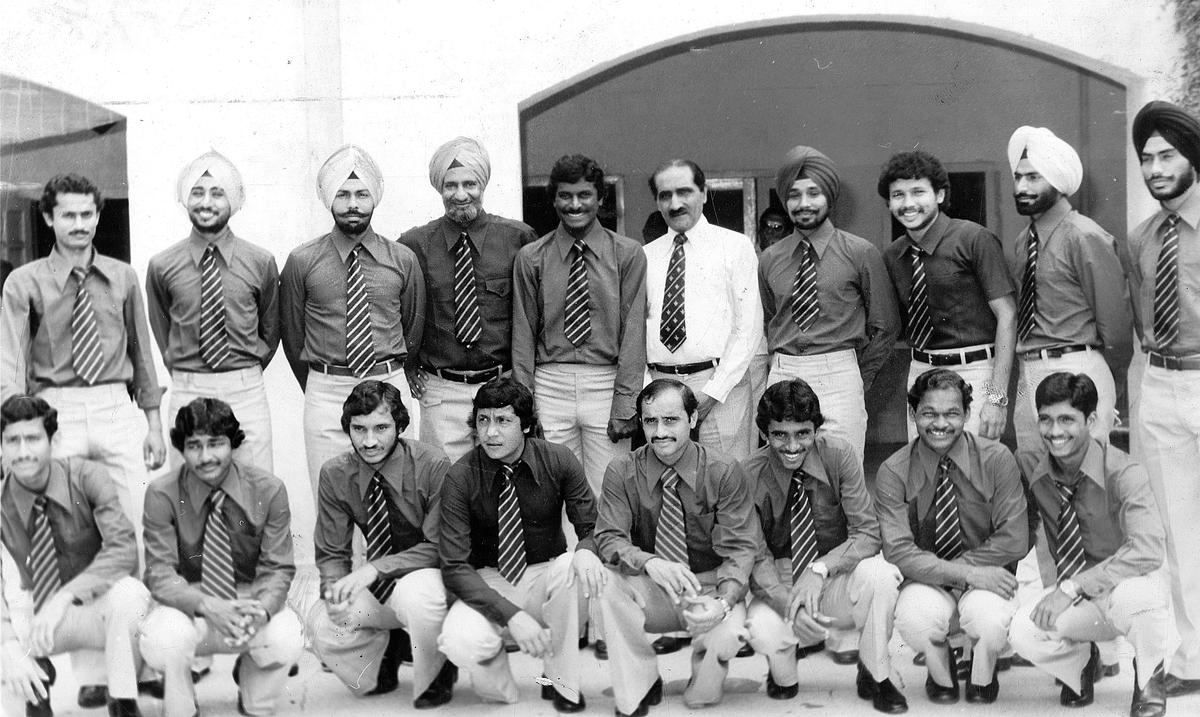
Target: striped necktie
pixel 379 534
pixel 467 326
pixel 216 567
pixel 577 324
pixel 804 289
pixel 919 326
pixel 86 356
pixel 947 534
pixel 1068 555
pixel 1166 287
pixel 511 555
pixel 1028 307
pixel 214 339
pixel 360 345
pixel 43 560
pixel 670 540
pixel 803 533
pixel 672 328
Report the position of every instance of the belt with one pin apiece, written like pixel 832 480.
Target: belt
pixel 1174 363
pixel 684 369
pixel 955 359
pixel 389 366
pixel 472 377
pixel 1056 352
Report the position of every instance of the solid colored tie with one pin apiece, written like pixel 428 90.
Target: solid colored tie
pixel 360 346
pixel 804 289
pixel 1028 305
pixel 670 541
pixel 1068 557
pixel 919 326
pixel 467 326
pixel 577 324
pixel 216 567
pixel 804 533
pixel 672 329
pixel 511 554
pixel 214 341
pixel 947 535
pixel 379 534
pixel 43 560
pixel 86 357
pixel 1166 287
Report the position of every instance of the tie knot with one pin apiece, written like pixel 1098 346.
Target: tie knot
pixel 798 478
pixel 507 471
pixel 80 273
pixel 669 478
pixel 579 246
pixel 356 250
pixel 464 241
pixel 680 238
pixel 914 251
pixel 210 251
pixel 944 464
pixel 1033 232
pixel 216 499
pixel 377 479
pixel 39 502
pixel 1066 492
pixel 1172 220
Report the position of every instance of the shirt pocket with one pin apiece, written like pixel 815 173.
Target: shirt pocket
pixel 701 524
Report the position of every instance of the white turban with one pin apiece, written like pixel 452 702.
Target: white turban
pixel 1053 158
pixel 346 160
pixel 217 166
pixel 460 152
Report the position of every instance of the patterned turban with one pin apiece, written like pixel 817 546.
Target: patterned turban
pixel 346 160
pixel 803 162
pixel 460 152
pixel 1053 158
pixel 217 166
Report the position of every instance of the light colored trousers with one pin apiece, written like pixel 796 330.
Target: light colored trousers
pixel 245 393
pixel 1033 372
pixel 352 647
pixel 838 383
pixel 1135 608
pixel 729 426
pixel 446 415
pixel 926 616
pixel 977 374
pixel 476 644
pixel 573 404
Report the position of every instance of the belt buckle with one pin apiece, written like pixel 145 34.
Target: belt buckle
pixel 1173 363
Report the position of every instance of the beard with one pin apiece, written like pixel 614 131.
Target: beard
pixel 463 215
pixel 1177 189
pixel 1039 204
pixel 214 228
pixel 352 230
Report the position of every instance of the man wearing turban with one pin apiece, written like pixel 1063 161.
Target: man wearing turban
pixel 466 256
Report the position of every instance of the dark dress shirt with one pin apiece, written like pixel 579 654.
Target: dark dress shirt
pixel 312 300
pixel 38 301
pixel 616 269
pixel 250 285
pixel 413 477
pixel 991 508
pixel 256 508
pixel 548 477
pixel 964 270
pixel 495 242
pixel 1119 519
pixel 1145 243
pixel 855 296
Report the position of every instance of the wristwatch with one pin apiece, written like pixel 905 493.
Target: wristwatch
pixel 819 568
pixel 728 607
pixel 1071 589
pixel 997 399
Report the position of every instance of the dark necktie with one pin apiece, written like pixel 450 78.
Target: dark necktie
pixel 511 554
pixel 216 567
pixel 1166 287
pixel 920 328
pixel 379 534
pixel 43 560
pixel 672 328
pixel 947 534
pixel 360 346
pixel 1028 305
pixel 804 289
pixel 670 541
pixel 804 533
pixel 467 326
pixel 214 341
pixel 86 357
pixel 577 324
pixel 1068 556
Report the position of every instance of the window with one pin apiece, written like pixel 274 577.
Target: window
pixel 732 203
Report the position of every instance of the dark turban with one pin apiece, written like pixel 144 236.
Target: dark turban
pixel 807 163
pixel 1175 125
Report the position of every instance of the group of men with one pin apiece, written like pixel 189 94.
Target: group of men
pixel 481 322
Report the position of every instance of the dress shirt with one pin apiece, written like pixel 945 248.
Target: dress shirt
pixel 617 306
pixel 312 296
pixel 1119 520
pixel 722 311
pixel 256 506
pixel 964 270
pixel 249 284
pixel 855 296
pixel 991 508
pixel 495 242
pixel 722 531
pixel 548 477
pixel 413 477
pixel 1145 242
pixel 38 301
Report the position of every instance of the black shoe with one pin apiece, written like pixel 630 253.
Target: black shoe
pixel 1151 701
pixel 92 696
pixel 241 708
pixel 653 697
pixel 561 703
pixel 123 708
pixel 441 690
pixel 200 674
pixel 745 651
pixel 41 708
pixel 1087 684
pixel 1004 664
pixel 1176 686
pixel 1018 661
pixel 152 688
pixel 944 695
pixel 387 680
pixel 983 694
pixel 845 657
pixel 601 650
pixel 666 645
pixel 776 692
pixel 883 695
pixel 1112 670
pixel 293 670
pixel 400 643
pixel 803 651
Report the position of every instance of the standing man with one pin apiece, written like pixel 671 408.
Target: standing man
pixel 1073 306
pixel 1164 280
pixel 467 258
pixel 1105 533
pixel 953 285
pixel 828 303
pixel 703 316
pixel 678 530
pixel 953 518
pixel 213 300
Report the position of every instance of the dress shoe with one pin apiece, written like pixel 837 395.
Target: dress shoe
pixel 653 697
pixel 199 674
pixel 1087 684
pixel 1150 701
pixel 1004 664
pixel 777 692
pixel 561 703
pixel 845 657
pixel 665 645
pixel 745 651
pixel 1018 661
pixel 983 694
pixel 441 690
pixel 601 650
pixel 387 680
pixel 123 708
pixel 92 696
pixel 1176 686
pixel 41 708
pixel 400 642
pixel 883 695
pixel 152 688
pixel 939 694
pixel 1108 671
pixel 803 651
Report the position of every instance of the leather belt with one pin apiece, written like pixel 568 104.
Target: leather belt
pixel 471 377
pixel 1053 353
pixel 390 366
pixel 954 359
pixel 684 369
pixel 1174 363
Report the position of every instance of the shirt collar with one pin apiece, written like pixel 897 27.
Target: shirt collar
pixel 958 454
pixel 344 244
pixel 491 466
pixel 933 236
pixel 1092 465
pixel 819 237
pixel 198 243
pixel 1189 213
pixel 593 239
pixel 811 465
pixel 198 491
pixel 1051 218
pixel 393 467
pixel 57 490
pixel 451 229
pixel 688 466
pixel 60 268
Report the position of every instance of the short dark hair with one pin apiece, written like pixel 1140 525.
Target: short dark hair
pixel 68 184
pixel 26 408
pixel 1077 389
pixel 571 168
pixel 369 395
pixel 792 400
pixel 936 378
pixel 914 165
pixel 505 391
pixel 697 173
pixel 658 386
pixel 207 416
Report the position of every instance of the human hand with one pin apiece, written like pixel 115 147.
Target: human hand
pixel 993 578
pixel 673 577
pixel 706 404
pixel 416 382
pixel 224 617
pixel 348 587
pixel 619 428
pixel 809 628
pixel 992 419
pixel 43 624
pixel 154 450
pixel 1045 613
pixel 702 613
pixel 589 572
pixel 21 673
pixel 533 639
pixel 806 594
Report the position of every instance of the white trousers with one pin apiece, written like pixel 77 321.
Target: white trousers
pixel 838 383
pixel 926 616
pixel 245 393
pixel 977 374
pixel 446 415
pixel 573 403
pixel 729 426
pixel 1034 371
